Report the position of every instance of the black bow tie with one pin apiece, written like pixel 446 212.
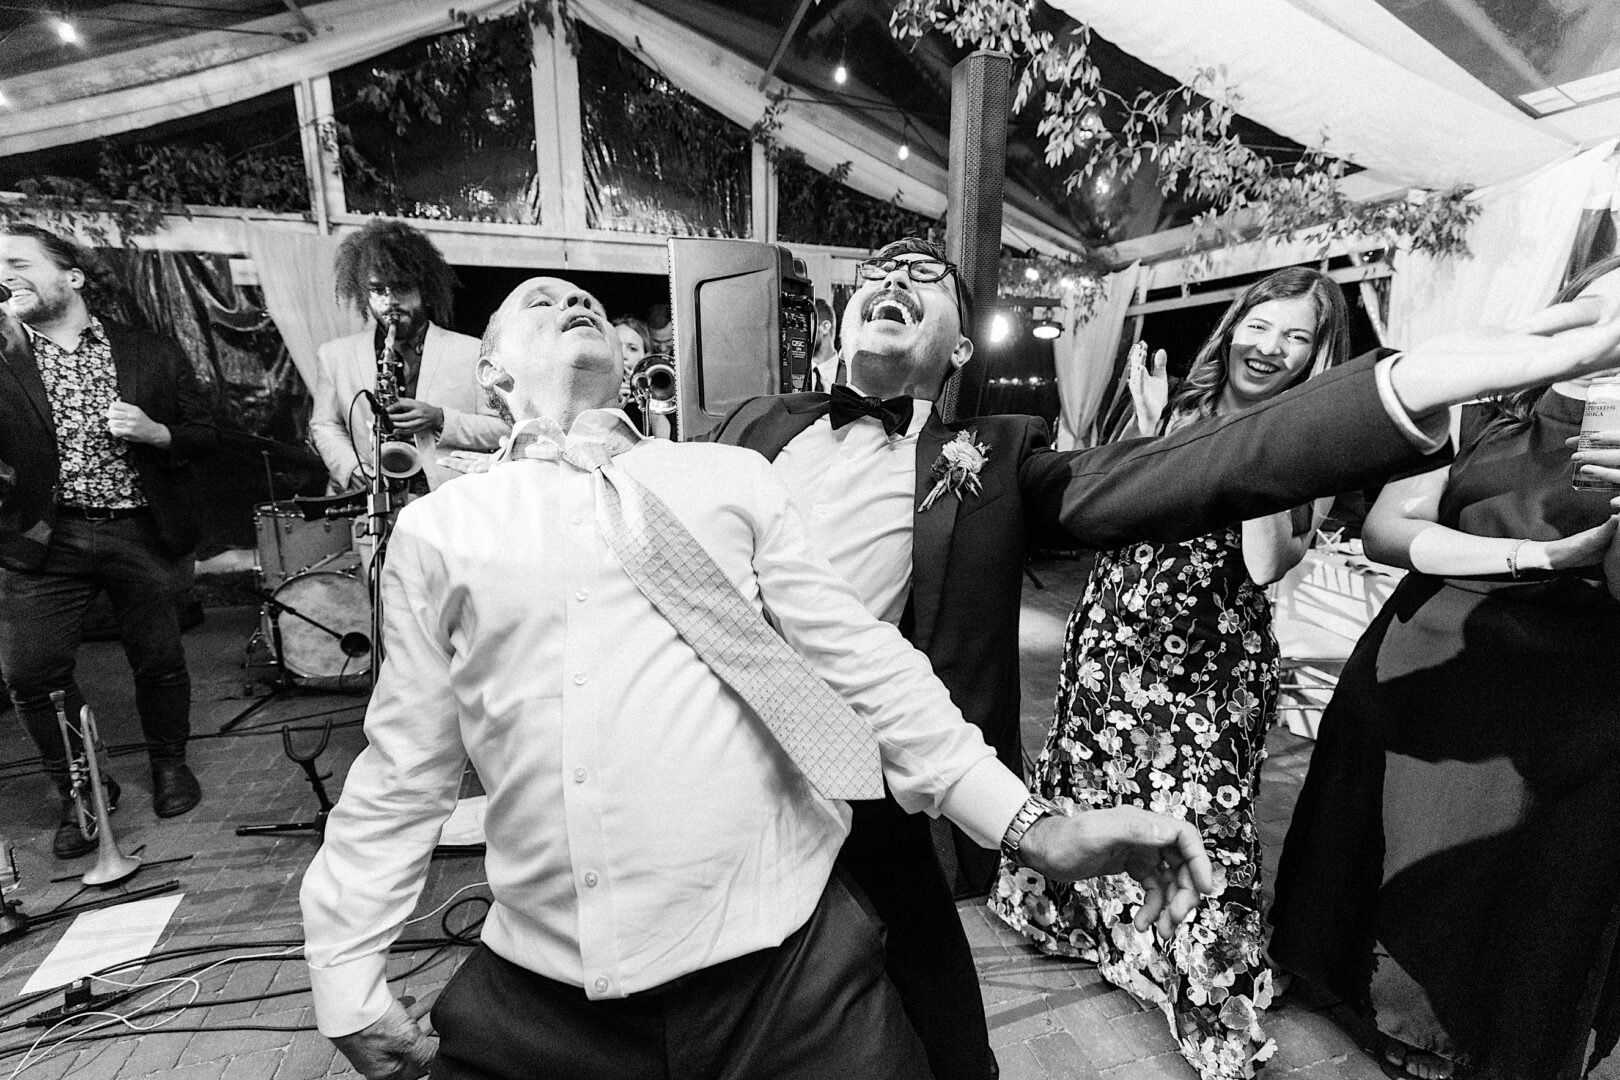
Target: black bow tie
pixel 848 407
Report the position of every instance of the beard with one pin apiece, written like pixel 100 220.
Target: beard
pixel 41 306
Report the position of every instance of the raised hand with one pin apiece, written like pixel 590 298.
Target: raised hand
pixel 1565 341
pixel 1149 384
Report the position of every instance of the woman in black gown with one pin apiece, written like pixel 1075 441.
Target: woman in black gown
pixel 1453 865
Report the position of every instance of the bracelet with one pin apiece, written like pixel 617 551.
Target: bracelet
pixel 1513 558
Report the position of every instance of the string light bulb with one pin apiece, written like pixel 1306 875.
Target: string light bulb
pixel 840 74
pixel 999 328
pixel 66 31
pixel 904 151
pixel 4 102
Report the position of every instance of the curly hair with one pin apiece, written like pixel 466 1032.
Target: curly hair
pixel 1199 393
pixel 397 255
pixel 99 286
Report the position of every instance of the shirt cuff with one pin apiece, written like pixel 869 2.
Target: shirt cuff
pixel 984 802
pixel 349 996
pixel 1428 437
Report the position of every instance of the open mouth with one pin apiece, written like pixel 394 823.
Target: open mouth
pixel 578 319
pixel 892 305
pixel 1260 367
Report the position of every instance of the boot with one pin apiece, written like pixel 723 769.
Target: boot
pixel 70 842
pixel 174 787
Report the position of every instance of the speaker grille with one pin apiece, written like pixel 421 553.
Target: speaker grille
pixel 981 99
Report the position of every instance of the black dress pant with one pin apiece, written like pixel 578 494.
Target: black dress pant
pixel 890 855
pixel 816 1007
pixel 42 618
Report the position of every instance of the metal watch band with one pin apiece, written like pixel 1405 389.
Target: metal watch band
pixel 1035 807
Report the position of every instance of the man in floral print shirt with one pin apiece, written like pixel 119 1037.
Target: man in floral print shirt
pixel 98 423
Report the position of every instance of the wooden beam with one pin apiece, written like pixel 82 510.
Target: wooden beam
pixel 298 13
pixel 787 38
pixel 1347 276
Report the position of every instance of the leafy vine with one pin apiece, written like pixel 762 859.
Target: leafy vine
pixel 1187 133
pixel 819 207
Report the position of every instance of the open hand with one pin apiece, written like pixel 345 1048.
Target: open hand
pixel 1149 384
pixel 411 416
pixel 1585 548
pixel 1165 855
pixel 130 422
pixel 467 461
pixel 1565 341
pixel 398 1045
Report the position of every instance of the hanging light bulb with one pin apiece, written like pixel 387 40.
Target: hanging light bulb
pixel 4 102
pixel 840 74
pixel 1031 274
pixel 904 151
pixel 66 31
pixel 999 328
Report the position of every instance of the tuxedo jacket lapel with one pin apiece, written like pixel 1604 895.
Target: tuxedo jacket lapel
pixel 931 534
pixel 780 423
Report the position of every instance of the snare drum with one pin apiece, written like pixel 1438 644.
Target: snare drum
pixel 341 605
pixel 287 545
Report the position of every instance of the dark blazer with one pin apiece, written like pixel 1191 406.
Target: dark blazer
pixel 1329 435
pixel 152 373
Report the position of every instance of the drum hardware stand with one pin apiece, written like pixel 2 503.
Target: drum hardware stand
pixel 306 761
pixel 352 644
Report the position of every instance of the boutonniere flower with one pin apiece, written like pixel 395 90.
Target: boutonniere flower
pixel 957 468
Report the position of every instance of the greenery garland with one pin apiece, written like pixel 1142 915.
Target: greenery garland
pixel 1187 133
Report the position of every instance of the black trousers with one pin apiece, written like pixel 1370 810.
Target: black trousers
pixel 816 1007
pixel 890 856
pixel 42 618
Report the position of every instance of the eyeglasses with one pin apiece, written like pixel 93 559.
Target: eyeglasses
pixel 922 271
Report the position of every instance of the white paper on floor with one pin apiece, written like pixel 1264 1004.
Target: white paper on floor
pixel 465 825
pixel 98 939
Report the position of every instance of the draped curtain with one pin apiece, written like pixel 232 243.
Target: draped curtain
pixel 295 271
pixel 1084 357
pixel 1521 246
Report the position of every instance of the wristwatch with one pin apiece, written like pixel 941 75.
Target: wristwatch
pixel 1035 807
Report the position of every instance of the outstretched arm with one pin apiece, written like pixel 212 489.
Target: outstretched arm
pixel 1402 529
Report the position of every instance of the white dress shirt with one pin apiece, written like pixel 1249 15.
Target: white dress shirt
pixel 857 490
pixel 642 823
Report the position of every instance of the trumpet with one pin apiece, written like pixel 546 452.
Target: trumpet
pixel 88 789
pixel 652 380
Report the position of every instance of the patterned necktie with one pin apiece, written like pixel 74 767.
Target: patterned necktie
pixel 835 749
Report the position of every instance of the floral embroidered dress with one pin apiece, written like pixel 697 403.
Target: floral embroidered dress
pixel 1169 676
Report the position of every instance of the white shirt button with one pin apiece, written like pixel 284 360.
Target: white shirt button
pixel 601 986
pixel 579 776
pixel 591 879
pixel 577 519
pixel 581 594
pixel 579 679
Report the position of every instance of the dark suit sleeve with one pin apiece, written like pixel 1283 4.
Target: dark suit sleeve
pixel 192 432
pixel 1330 435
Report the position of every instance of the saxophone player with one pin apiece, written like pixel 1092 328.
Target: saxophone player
pixel 428 386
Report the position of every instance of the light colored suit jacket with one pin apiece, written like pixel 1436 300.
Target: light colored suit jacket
pixel 449 380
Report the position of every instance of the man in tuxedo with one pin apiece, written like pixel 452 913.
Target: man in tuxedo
pixel 583 622
pixel 394 274
pixel 98 425
pixel 863 463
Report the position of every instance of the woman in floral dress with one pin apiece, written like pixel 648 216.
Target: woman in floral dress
pixel 1168 682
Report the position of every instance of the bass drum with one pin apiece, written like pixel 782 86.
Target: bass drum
pixel 341 605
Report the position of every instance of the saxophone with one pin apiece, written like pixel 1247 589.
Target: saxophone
pixel 399 457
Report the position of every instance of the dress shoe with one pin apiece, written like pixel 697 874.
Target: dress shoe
pixel 174 788
pixel 69 842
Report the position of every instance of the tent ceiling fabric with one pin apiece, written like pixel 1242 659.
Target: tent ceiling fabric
pixel 1372 110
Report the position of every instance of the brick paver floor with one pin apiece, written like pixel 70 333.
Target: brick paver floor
pixel 248 1016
